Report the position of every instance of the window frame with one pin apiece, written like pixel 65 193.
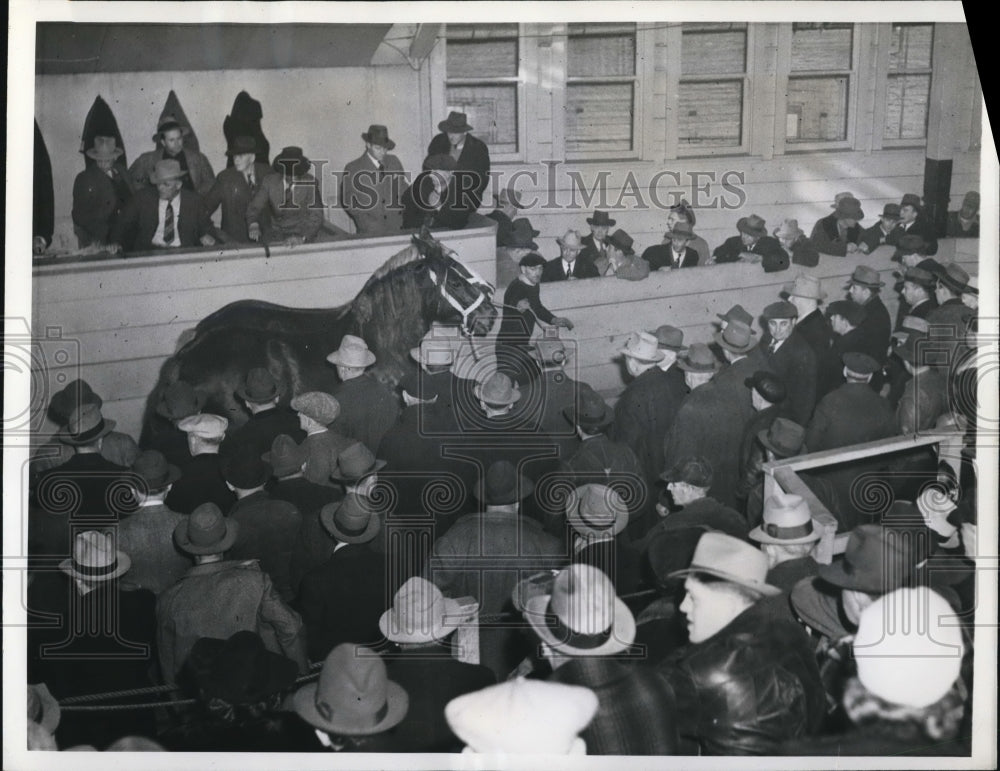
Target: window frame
pixel 883 87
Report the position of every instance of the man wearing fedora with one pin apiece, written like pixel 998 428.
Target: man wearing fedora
pixel 839 233
pixel 620 260
pixel 790 356
pixel 290 197
pixel 169 138
pixel 853 413
pixel 429 200
pixel 177 401
pixel 373 185
pixel 368 407
pixel 421 622
pixel 260 393
pixel 484 555
pixel 515 243
pixel 913 220
pixel 317 410
pixel 806 294
pixel 568 265
pixel 163 216
pixel 767 398
pixel 201 477
pixel 648 406
pixel 507 205
pixel 235 187
pixel 964 223
pixel 92 649
pixel 269 527
pixel 472 161
pixel 721 707
pixel 146 534
pixel 219 597
pixel 342 599
pixel 753 245
pixel 882 231
pixel 794 241
pixel 925 395
pixel 100 192
pixel 675 251
pixel 952 316
pixel 787 535
pixel 864 289
pixel 581 624
pixel 918 295
pixel 598 515
pixel 595 242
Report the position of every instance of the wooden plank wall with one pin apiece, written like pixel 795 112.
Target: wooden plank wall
pixel 120 319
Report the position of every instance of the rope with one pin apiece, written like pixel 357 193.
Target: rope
pixel 119 707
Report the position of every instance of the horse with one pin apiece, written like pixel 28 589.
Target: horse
pixel 422 284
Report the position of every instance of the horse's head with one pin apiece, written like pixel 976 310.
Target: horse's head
pixel 461 290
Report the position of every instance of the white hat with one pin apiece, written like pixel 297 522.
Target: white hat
pixel 786 520
pixel 95 558
pixel 420 613
pixel 523 716
pixel 644 347
pixel 909 647
pixel 205 425
pixel 353 352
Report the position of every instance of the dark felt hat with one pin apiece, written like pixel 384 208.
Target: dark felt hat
pixel 589 411
pixel 260 387
pixel 912 243
pixel 768 385
pixel 623 241
pixel 891 211
pixel 439 162
pixel 849 208
pixel 285 456
pixel 291 160
pixel 752 226
pixel 736 312
pixel 860 363
pixel 954 277
pixel 245 470
pixel 206 531
pixel 877 560
pixel 670 338
pixel 865 276
pixel 699 358
pixel 780 310
pixel 354 463
pixel 737 337
pixel 85 426
pixel 532 260
pixel 242 145
pixel 911 199
pixel 601 218
pixel 784 437
pixel 351 520
pixel 455 123
pixel 695 471
pixel 378 135
pixel 74 395
pixel 153 469
pixel 853 313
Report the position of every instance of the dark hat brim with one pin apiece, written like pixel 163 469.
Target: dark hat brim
pixel 379 465
pixel 570 413
pixel 719 338
pixel 448 128
pixel 64 436
pixel 327 518
pixel 388 144
pixel 223 544
pixel 256 398
pixel 743 226
pixel 783 452
pixel 607 223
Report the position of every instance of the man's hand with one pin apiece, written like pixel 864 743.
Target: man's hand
pixel 562 321
pixel 254 231
pixel 853 249
pixel 523 305
pixel 864 248
pixel 207 240
pixel 294 241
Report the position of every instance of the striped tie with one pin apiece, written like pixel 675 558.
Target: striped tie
pixel 168 224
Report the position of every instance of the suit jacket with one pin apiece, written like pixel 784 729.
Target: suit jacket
pixel 232 191
pixel 418 209
pixel 633 268
pixel 343 599
pixel 852 414
pixel 795 363
pixel 147 536
pixel 173 443
pixel 432 678
pixel 474 160
pixel 256 435
pixel 876 328
pixel 827 238
pixel 875 237
pixel 815 328
pixel 618 560
pixel 301 215
pixel 373 199
pixel 951 319
pixel 592 250
pixel 368 409
pixel 730 388
pixel 920 310
pixel 97 201
pixel 313 544
pixel 268 532
pixel 553 270
pixel 662 256
pixel 635 708
pixel 200 175
pixel 201 482
pixel 921 226
pixel 136 226
pixel 324 447
pixel 832 365
pixel 773 257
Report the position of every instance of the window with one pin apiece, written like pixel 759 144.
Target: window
pixel 712 93
pixel 820 83
pixel 601 88
pixel 482 68
pixel 909 84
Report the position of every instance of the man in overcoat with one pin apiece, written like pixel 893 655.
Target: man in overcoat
pixel 472 161
pixel 791 358
pixel 373 185
pixel 235 187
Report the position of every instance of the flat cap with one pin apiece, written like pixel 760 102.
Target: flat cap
pixel 318 405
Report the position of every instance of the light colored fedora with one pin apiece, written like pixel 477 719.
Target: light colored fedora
pixel 498 390
pixel 353 352
pixel 732 560
pixel 786 521
pixel 420 614
pixel 643 347
pixel 95 558
pixel 804 286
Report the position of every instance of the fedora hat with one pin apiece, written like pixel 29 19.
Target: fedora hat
pixel 95 558
pixel 206 531
pixel 865 276
pixel 43 708
pixel 911 324
pixel 455 123
pixel 589 411
pixel 245 470
pixel 582 616
pixel 508 197
pixel 242 145
pixel 378 135
pixel 694 470
pixel 523 716
pixel 787 521
pixel 851 312
pixel 699 358
pixel 737 312
pixel 285 456
pixel 353 352
pixel 890 211
pixel 206 426
pixel 783 437
pixel 571 240
pixel 643 347
pixel 179 400
pixel 622 241
pixel 954 277
pixel 85 426
pixel 681 229
pixel 752 226
pixel 911 199
pixel 421 614
pixel 318 405
pixel 104 149
pixel 291 160
pixel 166 171
pixel 804 286
pixel 732 560
pixel 520 234
pixel 788 229
pixel 601 218
pixel 911 243
pixel 353 696
pixel 913 348
pixel 596 509
pixel 239 670
pixel 770 386
pixel 351 520
pixel 260 387
pixel 168 122
pixel 354 463
pixel 860 363
pixel 503 485
pixel 670 338
pixel 686 210
pixel 877 560
pixel 849 208
pixel 840 197
pixel 153 469
pixel 737 337
pixel 67 399
pixel 908 647
pixel 918 276
pixel 497 390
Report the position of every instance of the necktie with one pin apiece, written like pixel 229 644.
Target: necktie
pixel 569 270
pixel 168 224
pixel 381 169
pixel 250 182
pixel 773 346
